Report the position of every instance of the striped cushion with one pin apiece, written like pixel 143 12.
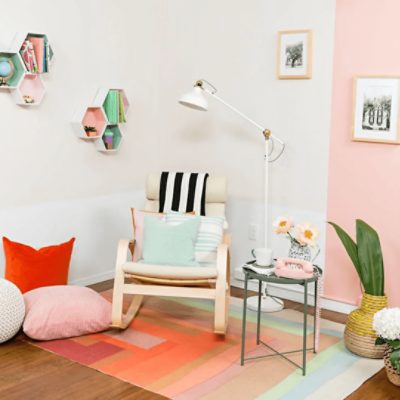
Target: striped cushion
pixel 209 236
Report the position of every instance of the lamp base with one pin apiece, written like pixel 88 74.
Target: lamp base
pixel 268 304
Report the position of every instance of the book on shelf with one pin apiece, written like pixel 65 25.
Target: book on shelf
pixel 36 54
pixel 28 56
pixel 114 107
pixel 121 114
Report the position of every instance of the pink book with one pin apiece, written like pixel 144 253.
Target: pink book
pixel 38 48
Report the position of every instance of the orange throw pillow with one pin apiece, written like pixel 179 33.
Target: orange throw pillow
pixel 29 268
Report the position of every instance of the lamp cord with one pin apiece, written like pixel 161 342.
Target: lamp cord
pixel 272 149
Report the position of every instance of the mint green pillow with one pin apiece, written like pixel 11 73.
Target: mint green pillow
pixel 169 245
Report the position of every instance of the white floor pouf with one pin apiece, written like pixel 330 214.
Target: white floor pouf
pixel 12 310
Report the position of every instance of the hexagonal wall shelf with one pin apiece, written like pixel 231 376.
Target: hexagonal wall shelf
pixel 30 91
pixel 30 55
pixel 102 118
pixel 90 123
pixel 19 70
pixel 110 99
pixel 111 139
pixel 39 44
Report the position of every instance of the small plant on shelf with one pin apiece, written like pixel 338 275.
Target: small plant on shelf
pixel 91 131
pixel 28 99
pixel 108 139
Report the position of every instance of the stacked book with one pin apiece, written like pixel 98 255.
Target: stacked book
pixel 35 52
pixel 114 107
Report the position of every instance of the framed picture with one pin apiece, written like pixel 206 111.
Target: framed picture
pixel 376 109
pixel 294 54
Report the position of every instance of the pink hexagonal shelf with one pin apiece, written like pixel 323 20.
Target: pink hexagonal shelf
pixel 90 123
pixel 30 91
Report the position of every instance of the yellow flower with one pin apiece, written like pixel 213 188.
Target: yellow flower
pixel 307 234
pixel 283 225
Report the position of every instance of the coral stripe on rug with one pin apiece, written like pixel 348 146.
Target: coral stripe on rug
pixel 170 349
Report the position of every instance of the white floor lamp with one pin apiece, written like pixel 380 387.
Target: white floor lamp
pixel 195 99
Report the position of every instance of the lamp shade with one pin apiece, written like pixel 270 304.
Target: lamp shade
pixel 195 99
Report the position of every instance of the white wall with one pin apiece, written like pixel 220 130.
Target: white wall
pixel 156 50
pixel 96 43
pixel 233 45
pixel 96 222
pixel 54 185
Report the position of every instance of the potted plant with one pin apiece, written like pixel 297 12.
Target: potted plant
pixel 91 131
pixel 387 327
pixel 366 255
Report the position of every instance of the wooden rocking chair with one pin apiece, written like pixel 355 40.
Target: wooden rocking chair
pixel 141 280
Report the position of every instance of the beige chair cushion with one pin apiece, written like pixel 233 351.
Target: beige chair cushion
pixel 170 272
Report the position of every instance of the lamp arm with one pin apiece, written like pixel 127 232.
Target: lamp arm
pixel 234 109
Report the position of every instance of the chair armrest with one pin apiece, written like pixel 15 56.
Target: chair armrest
pixel 222 261
pixel 227 238
pixel 122 253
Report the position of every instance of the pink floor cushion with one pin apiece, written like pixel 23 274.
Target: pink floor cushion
pixel 56 312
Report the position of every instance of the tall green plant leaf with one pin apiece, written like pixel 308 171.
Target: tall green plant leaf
pixel 351 248
pixel 370 257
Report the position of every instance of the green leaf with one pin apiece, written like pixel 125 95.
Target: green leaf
pixel 370 258
pixel 380 340
pixel 351 248
pixel 394 344
pixel 395 359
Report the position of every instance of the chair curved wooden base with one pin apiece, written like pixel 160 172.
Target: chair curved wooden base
pixel 216 288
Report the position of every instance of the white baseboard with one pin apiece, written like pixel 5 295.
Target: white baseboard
pixel 90 280
pixel 295 293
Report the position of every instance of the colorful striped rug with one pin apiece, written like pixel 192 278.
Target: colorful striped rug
pixel 170 349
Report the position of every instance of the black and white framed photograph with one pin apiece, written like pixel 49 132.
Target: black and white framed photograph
pixel 294 54
pixel 376 109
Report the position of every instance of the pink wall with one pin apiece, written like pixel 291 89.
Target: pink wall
pixel 364 178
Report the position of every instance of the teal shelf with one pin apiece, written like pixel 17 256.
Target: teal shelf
pixel 19 69
pixel 116 139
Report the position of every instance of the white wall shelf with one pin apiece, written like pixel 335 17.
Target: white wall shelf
pixel 93 117
pixel 104 119
pixel 26 87
pixel 30 91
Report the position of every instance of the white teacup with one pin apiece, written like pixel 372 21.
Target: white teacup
pixel 263 256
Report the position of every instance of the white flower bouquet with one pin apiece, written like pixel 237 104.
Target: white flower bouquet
pixel 387 327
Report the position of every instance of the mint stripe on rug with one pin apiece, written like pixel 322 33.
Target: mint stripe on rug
pixel 272 321
pixel 323 367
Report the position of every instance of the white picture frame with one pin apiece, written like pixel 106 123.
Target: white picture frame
pixel 376 109
pixel 294 58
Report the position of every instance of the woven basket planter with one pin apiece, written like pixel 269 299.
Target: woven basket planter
pixel 391 372
pixel 359 336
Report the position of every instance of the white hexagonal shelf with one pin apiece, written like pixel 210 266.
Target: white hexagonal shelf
pixel 30 91
pixel 110 140
pixel 107 111
pixel 90 123
pixel 41 48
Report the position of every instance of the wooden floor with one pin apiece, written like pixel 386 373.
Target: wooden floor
pixel 27 372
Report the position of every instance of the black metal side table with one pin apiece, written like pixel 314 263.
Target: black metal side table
pixel 285 281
